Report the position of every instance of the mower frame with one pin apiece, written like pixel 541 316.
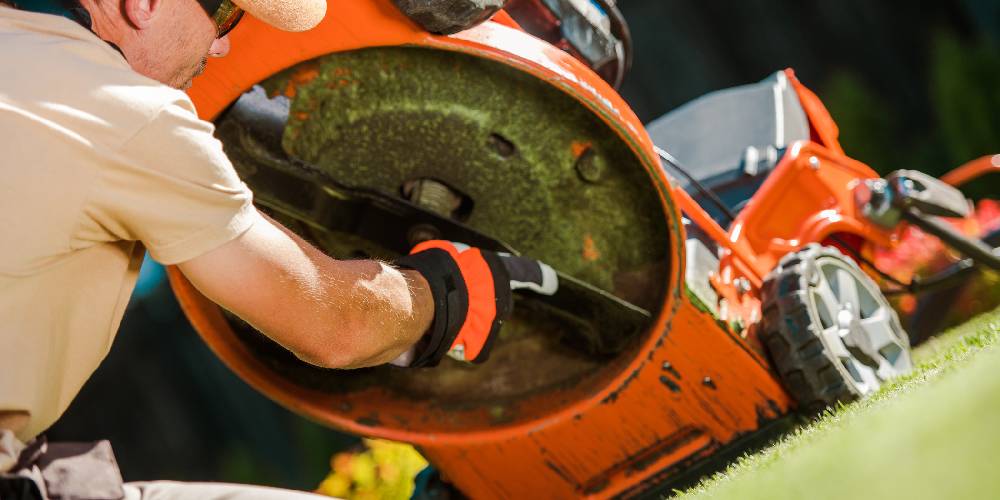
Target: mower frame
pixel 701 382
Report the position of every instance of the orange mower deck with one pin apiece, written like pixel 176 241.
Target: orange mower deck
pixel 693 383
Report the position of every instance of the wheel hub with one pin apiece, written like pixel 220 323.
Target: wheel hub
pixel 855 338
pixel 858 326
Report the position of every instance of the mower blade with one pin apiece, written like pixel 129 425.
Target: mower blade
pixel 611 319
pixel 253 131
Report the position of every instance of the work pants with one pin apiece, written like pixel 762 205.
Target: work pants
pixel 172 490
pixel 43 471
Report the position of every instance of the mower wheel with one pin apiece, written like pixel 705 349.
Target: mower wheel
pixel 832 335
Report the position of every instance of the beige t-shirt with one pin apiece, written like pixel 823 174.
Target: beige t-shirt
pixel 96 162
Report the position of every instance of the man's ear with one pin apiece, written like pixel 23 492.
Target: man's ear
pixel 140 13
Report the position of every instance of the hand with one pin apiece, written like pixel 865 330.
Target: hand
pixel 472 296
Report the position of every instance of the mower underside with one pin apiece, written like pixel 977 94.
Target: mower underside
pixel 367 143
pixel 479 142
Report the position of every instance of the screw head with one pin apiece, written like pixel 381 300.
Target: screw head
pixel 589 168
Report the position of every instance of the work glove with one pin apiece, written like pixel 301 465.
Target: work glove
pixel 472 295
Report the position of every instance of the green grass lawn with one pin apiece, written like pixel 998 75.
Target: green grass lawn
pixel 932 434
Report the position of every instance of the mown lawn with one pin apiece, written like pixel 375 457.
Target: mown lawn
pixel 933 434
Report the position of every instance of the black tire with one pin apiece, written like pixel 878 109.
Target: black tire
pixel 801 330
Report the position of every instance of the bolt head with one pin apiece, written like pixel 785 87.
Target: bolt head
pixel 589 168
pixel 421 233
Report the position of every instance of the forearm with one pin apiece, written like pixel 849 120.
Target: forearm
pixel 378 314
pixel 331 313
pixel 367 312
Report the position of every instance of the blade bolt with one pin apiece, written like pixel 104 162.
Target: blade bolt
pixel 421 233
pixel 588 167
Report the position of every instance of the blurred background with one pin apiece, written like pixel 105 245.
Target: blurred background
pixel 911 84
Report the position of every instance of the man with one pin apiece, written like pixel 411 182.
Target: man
pixel 103 157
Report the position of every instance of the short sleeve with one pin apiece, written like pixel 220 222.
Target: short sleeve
pixel 172 187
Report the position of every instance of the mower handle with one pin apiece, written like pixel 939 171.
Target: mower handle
pixel 974 248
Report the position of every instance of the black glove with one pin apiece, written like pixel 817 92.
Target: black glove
pixel 472 296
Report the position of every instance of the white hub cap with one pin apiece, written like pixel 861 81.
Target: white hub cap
pixel 858 325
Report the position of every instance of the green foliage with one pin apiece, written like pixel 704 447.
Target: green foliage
pixel 868 127
pixel 384 470
pixel 963 90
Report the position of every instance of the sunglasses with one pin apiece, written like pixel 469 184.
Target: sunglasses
pixel 224 13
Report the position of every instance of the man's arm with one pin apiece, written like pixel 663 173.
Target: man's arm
pixel 330 313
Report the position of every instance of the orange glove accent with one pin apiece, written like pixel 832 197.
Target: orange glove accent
pixel 472 296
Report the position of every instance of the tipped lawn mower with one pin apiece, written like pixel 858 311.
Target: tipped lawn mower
pixel 719 259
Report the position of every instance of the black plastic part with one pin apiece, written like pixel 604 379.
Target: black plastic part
pixel 451 303
pixel 942 290
pixel 448 16
pixel 949 277
pixel 971 247
pixel 18 488
pixel 549 21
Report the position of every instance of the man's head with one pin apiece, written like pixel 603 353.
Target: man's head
pixel 171 40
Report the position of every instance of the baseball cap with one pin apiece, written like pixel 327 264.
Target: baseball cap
pixel 286 15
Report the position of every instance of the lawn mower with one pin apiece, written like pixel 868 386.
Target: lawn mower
pixel 718 260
